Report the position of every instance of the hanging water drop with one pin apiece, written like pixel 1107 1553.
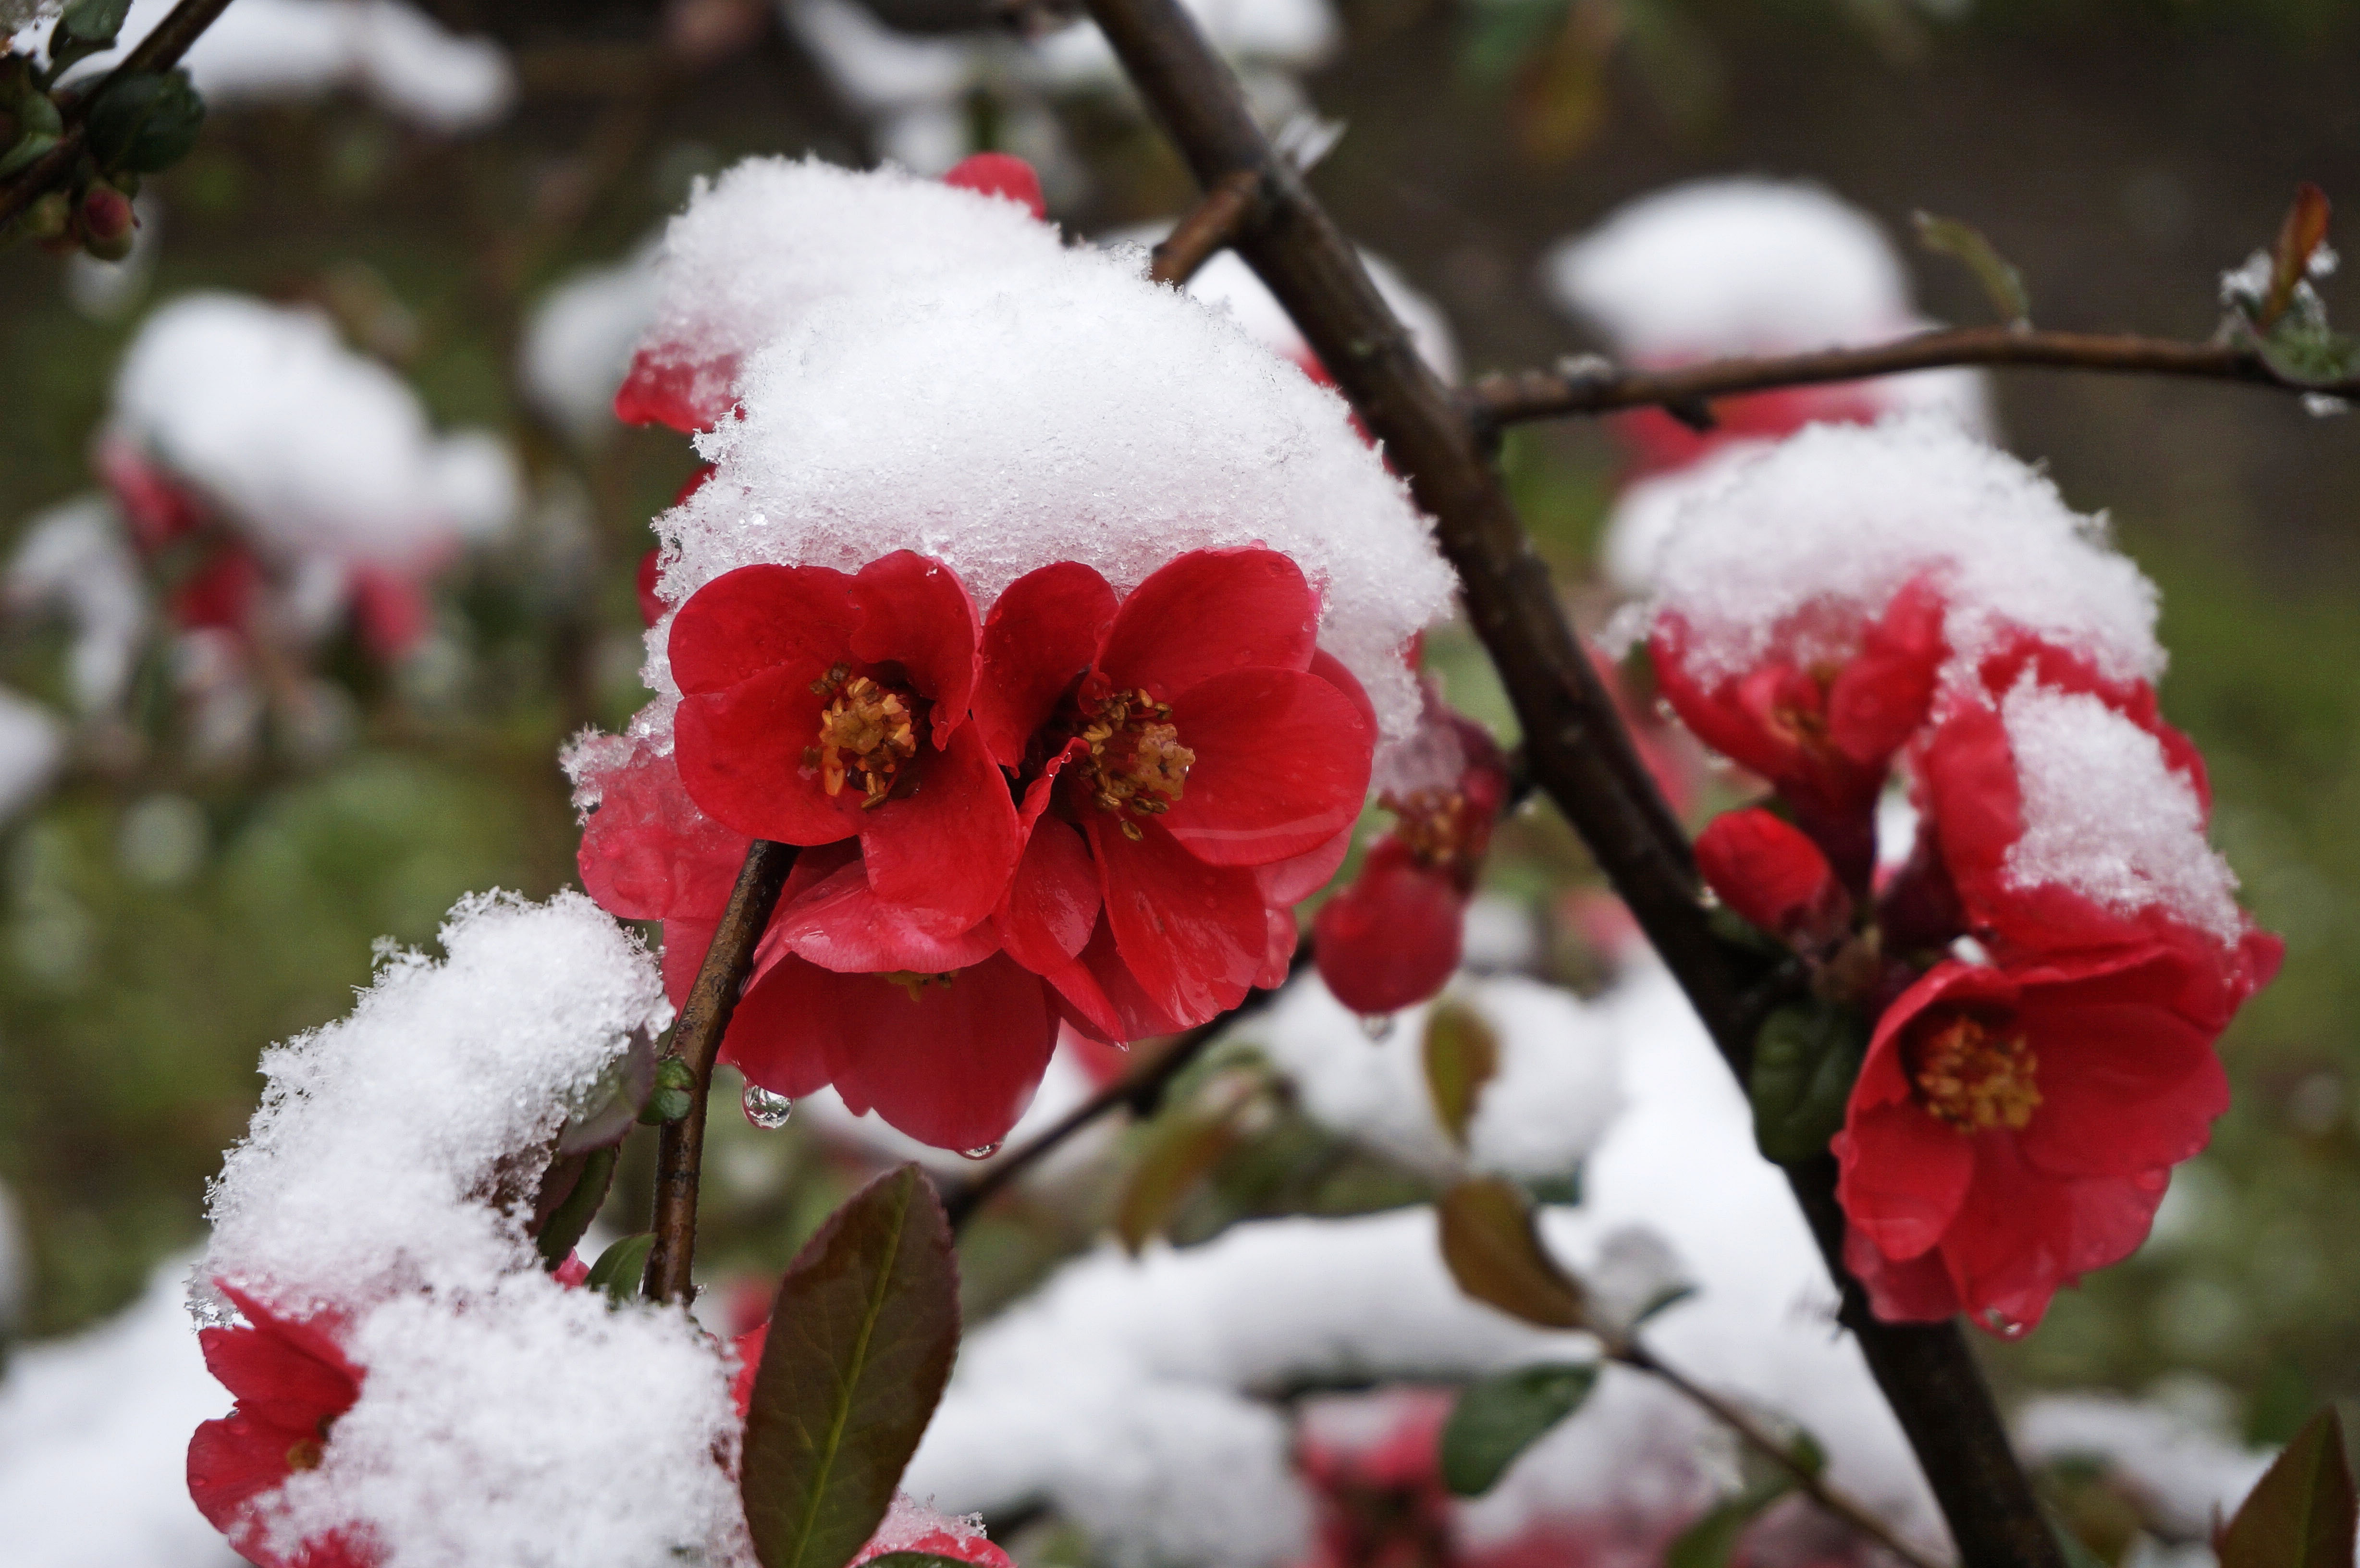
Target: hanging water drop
pixel 765 1110
pixel 1377 1026
pixel 981 1152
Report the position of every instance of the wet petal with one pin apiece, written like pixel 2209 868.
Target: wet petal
pixel 1191 934
pixel 758 618
pixel 740 752
pixel 1053 900
pixel 916 612
pixel 1281 766
pixel 954 1063
pixel 950 846
pixel 1044 633
pixel 840 923
pixel 1208 612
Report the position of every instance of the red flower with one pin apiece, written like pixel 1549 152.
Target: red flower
pixel 939 1032
pixel 291 1383
pixel 1771 873
pixel 1393 937
pixel 1822 727
pixel 1660 442
pixel 1000 174
pixel 1973 790
pixel 2014 1127
pixel 1188 761
pixel 818 707
pixel 648 854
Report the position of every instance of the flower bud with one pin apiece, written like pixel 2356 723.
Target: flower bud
pixel 107 223
pixel 46 218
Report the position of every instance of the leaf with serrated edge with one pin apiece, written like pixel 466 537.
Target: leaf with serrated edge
pixel 1498 1418
pixel 2300 1514
pixel 1495 1254
pixel 1462 1054
pixel 861 1341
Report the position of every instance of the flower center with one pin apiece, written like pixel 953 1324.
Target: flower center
pixel 913 983
pixel 866 733
pixel 1976 1076
pixel 1136 763
pixel 1800 711
pixel 1441 826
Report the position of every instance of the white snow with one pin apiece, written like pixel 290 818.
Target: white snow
pixel 265 50
pixel 312 449
pixel 1555 1094
pixel 72 559
pixel 372 1164
pixel 1840 517
pixel 32 748
pixel 997 415
pixel 1647 509
pixel 2107 816
pixel 94 1442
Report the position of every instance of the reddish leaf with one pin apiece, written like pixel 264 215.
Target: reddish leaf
pixel 2305 227
pixel 1495 1254
pixel 2300 1514
pixel 861 1341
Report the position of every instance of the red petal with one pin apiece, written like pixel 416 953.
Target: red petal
pixel 1918 1290
pixel 949 846
pixel 1053 900
pixel 916 612
pixel 1085 1006
pixel 1135 1013
pixel 1281 766
pixel 648 853
pixel 741 754
pixel 1903 1175
pixel 275 1381
pixel 309 1339
pixel 840 923
pixel 1287 883
pixel 758 618
pixel 1393 937
pixel 1770 871
pixel 1331 670
pixel 1003 174
pixel 1880 697
pixel 786 1031
pixel 1278 957
pixel 749 1346
pixel 235 1460
pixel 2022 1234
pixel 956 1064
pixel 687 395
pixel 2126 1083
pixel 1191 934
pixel 1041 636
pixel 1208 612
pixel 652 605
pixel 685 943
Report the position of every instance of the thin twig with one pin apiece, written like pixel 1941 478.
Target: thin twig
pixel 1807 1478
pixel 1140 1091
pixel 1596 387
pixel 1206 230
pixel 159 50
pixel 1578 748
pixel 703 1019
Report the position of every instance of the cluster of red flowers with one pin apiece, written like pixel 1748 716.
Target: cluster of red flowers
pixel 2025 1093
pixel 1083 806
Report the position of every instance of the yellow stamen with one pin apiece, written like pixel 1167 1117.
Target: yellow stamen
pixel 1136 763
pixel 866 733
pixel 1975 1077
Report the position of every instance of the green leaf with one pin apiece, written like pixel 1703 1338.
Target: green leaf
pixel 93 21
pixel 864 1331
pixel 2075 1550
pixel 1708 1543
pixel 1495 1254
pixel 1462 1054
pixel 2002 283
pixel 1500 1417
pixel 673 1094
pixel 2300 1514
pixel 620 1268
pixel 1181 1150
pixel 604 1113
pixel 144 123
pixel 571 1194
pixel 2302 349
pixel 1804 1063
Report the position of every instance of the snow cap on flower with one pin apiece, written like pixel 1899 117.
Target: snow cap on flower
pixel 370 1165
pixel 309 447
pixel 1832 524
pixel 996 417
pixel 772 238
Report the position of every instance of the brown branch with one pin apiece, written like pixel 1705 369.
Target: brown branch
pixel 159 50
pixel 703 1019
pixel 1208 229
pixel 1578 747
pixel 1592 385
pixel 1807 1478
pixel 1140 1091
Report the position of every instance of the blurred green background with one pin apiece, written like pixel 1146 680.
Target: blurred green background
pixel 159 926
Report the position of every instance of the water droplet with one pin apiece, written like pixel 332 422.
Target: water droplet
pixel 981 1152
pixel 765 1110
pixel 1377 1026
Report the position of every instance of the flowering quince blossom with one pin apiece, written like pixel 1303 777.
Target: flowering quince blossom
pixel 291 1382
pixel 1393 937
pixel 1822 715
pixel 2014 1126
pixel 1190 766
pixel 819 706
pixel 1770 871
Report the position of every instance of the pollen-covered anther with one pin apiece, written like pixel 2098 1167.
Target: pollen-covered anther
pixel 913 982
pixel 1441 827
pixel 1136 761
pixel 1976 1076
pixel 866 733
